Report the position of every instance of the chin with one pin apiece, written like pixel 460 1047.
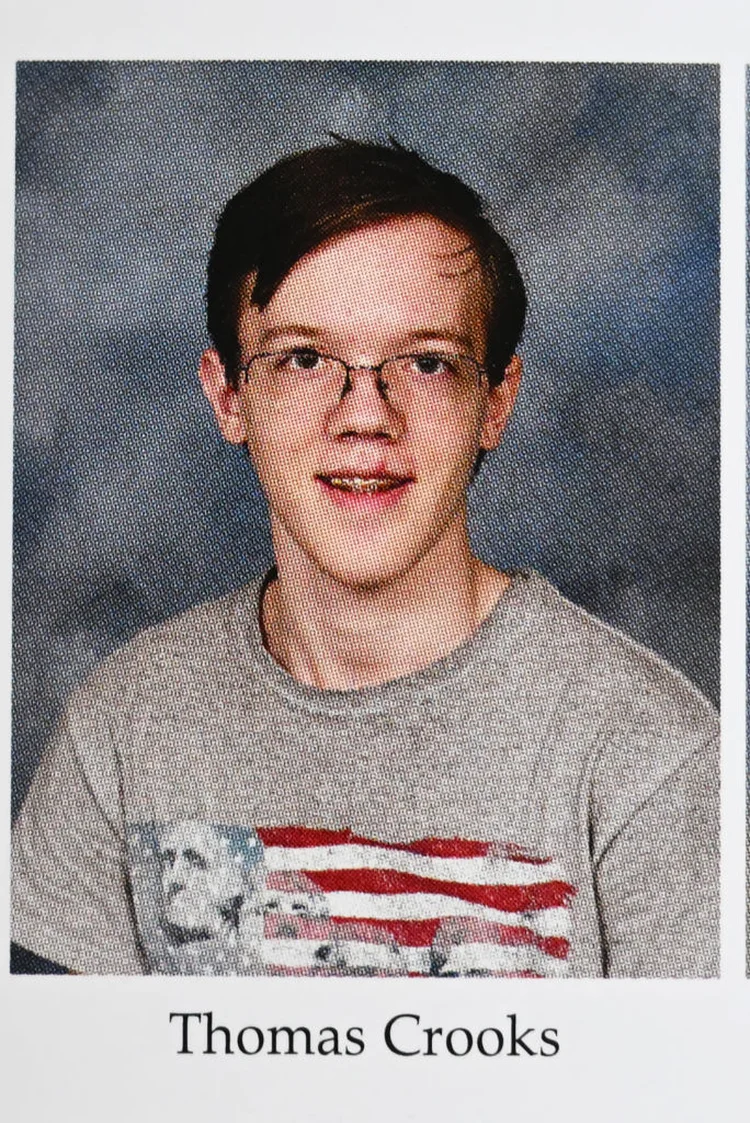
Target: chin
pixel 366 576
pixel 365 558
pixel 365 582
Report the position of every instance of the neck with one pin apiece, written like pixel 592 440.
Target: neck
pixel 341 637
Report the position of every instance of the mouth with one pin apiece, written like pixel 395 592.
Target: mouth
pixel 364 489
pixel 364 485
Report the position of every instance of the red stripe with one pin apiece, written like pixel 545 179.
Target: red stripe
pixel 450 931
pixel 448 848
pixel 514 853
pixel 291 881
pixel 422 933
pixel 506 898
pixel 315 972
pixel 457 930
pixel 285 926
pixel 376 973
pixel 407 933
pixel 301 837
pixel 493 974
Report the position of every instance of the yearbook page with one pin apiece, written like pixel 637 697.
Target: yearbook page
pixel 376 438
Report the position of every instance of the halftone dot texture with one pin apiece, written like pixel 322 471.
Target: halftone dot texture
pixel 546 736
pixel 128 507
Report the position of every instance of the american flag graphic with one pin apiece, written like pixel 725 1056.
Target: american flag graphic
pixel 339 903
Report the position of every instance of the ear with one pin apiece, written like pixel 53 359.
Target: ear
pixel 226 402
pixel 500 405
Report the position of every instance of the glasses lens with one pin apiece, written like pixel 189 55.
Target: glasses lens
pixel 430 374
pixel 302 368
pixel 422 374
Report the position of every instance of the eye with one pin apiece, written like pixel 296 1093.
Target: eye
pixel 302 358
pixel 195 859
pixel 433 365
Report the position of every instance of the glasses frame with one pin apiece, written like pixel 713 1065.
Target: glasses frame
pixel 374 368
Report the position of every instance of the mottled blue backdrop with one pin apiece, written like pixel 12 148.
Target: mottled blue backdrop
pixel 128 507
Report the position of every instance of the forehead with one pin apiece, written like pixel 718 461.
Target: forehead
pixel 195 836
pixel 406 274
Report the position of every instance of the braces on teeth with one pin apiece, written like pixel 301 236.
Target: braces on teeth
pixel 368 487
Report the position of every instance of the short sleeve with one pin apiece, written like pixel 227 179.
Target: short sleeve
pixel 658 879
pixel 70 900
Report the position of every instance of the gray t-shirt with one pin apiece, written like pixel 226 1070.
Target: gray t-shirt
pixel 541 801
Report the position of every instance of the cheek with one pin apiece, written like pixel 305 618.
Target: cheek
pixel 277 439
pixel 448 444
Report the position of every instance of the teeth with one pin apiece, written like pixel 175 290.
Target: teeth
pixel 360 485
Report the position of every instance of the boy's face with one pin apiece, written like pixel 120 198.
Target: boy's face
pixel 199 877
pixel 362 478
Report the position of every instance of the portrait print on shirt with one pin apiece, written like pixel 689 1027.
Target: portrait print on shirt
pixel 218 900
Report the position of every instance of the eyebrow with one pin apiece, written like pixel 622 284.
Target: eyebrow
pixel 272 334
pixel 424 335
pixel 420 335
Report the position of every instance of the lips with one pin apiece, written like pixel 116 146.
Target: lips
pixel 358 483
pixel 364 492
pixel 362 485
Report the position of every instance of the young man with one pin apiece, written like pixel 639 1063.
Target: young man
pixel 386 757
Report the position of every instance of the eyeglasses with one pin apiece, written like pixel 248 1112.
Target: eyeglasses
pixel 424 374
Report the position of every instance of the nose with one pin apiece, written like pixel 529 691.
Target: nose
pixel 364 409
pixel 179 872
pixel 172 888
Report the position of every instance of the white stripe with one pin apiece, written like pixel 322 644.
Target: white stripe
pixel 361 906
pixel 406 906
pixel 432 906
pixel 346 955
pixel 549 922
pixel 292 953
pixel 464 958
pixel 474 871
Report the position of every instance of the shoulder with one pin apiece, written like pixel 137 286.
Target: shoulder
pixel 614 670
pixel 642 724
pixel 185 655
pixel 206 627
pixel 165 678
